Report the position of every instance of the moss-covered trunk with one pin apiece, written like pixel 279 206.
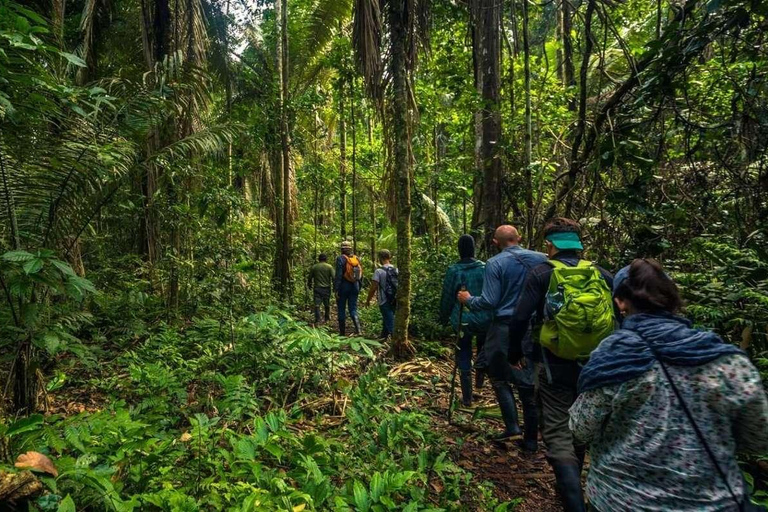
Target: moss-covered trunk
pixel 402 175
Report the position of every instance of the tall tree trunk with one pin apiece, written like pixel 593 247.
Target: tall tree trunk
pixel 477 68
pixel 354 165
pixel 581 126
pixel 402 173
pixel 342 161
pixel 566 27
pixel 373 194
pixel 282 171
pixel 528 126
pixel 488 39
pixel 317 181
pixel 285 140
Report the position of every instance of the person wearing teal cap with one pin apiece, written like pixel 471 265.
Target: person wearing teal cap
pixel 565 241
pixel 556 377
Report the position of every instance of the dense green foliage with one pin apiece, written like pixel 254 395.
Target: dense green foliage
pixel 169 170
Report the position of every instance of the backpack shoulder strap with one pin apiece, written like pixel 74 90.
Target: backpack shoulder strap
pixel 558 264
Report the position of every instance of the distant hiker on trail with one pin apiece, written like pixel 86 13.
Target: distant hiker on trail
pixel 570 300
pixel 384 286
pixel 666 407
pixel 505 276
pixel 320 281
pixel 467 272
pixel 346 286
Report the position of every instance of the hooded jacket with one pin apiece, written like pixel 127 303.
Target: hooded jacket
pixel 469 272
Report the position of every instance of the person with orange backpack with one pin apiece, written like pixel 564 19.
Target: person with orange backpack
pixel 346 286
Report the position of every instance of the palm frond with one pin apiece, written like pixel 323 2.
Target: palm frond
pixel 209 142
pixel 366 40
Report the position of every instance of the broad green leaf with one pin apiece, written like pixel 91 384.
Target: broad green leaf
pixel 63 267
pixel 33 266
pixel 18 256
pixel 25 425
pixel 378 486
pixel 67 505
pixel 74 59
pixel 362 501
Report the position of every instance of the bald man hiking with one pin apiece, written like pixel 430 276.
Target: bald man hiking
pixel 505 276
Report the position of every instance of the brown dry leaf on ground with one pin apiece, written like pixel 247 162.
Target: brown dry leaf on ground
pixel 36 461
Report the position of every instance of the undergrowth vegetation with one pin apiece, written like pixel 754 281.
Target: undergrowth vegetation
pixel 270 416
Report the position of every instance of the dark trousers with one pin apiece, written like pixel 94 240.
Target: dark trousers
pixel 387 319
pixel 347 298
pixel 322 297
pixel 556 392
pixel 464 354
pixel 499 369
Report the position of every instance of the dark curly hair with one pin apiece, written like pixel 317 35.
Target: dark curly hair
pixel 649 289
pixel 561 225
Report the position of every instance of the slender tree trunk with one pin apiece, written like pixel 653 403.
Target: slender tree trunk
pixel 402 174
pixel 373 194
pixel 317 181
pixel 528 125
pixel 488 34
pixel 354 165
pixel 285 138
pixel 342 161
pixel 477 68
pixel 439 153
pixel 566 24
pixel 575 164
pixel 282 162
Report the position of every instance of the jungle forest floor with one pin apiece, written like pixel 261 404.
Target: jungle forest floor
pixel 516 475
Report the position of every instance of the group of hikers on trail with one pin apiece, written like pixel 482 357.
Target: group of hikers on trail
pixel 600 362
pixel 345 279
pixel 606 363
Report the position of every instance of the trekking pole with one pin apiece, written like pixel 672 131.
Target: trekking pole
pixel 455 360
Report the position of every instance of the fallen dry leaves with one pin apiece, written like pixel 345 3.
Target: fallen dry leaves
pixel 36 461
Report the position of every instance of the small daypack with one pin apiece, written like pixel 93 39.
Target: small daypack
pixel 578 312
pixel 390 285
pixel 353 271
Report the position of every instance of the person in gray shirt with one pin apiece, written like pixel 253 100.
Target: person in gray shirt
pixel 384 286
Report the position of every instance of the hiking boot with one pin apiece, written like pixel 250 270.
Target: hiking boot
pixel 465 379
pixel 528 445
pixel 356 323
pixel 506 400
pixel 507 434
pixel 568 483
pixel 479 378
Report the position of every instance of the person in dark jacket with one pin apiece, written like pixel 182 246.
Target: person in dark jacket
pixel 505 276
pixel 467 272
pixel 636 391
pixel 556 378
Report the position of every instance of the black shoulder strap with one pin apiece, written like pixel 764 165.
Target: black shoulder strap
pixel 740 504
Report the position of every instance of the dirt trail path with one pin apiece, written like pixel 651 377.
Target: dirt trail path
pixel 516 475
